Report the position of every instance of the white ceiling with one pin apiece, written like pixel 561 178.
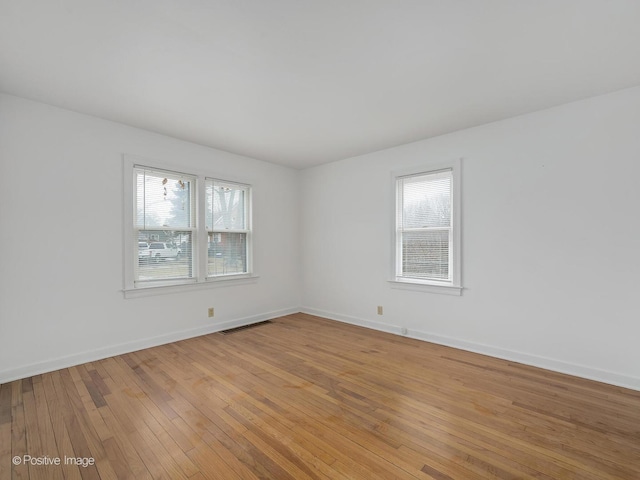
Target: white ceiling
pixel 303 82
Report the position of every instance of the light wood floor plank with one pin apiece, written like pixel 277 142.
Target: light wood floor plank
pixel 5 431
pixel 18 432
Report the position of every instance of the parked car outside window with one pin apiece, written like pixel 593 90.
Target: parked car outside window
pixel 161 250
pixel 143 252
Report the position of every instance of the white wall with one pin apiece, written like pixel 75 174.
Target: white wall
pixel 551 249
pixel 61 242
pixel 550 241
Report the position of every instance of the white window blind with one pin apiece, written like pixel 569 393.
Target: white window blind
pixel 228 228
pixel 424 227
pixel 164 226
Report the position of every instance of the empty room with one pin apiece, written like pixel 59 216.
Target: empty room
pixel 298 239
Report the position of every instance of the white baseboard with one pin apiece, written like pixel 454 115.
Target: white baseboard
pixel 25 371
pixel 559 366
pixel 590 373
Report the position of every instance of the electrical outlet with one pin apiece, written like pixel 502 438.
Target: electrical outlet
pixel 211 311
pixel 379 309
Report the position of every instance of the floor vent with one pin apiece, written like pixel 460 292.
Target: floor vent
pixel 244 327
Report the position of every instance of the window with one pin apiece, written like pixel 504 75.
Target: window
pixel 227 228
pixel 427 228
pixel 184 228
pixel 164 226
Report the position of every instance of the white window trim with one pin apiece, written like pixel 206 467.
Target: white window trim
pixel 431 286
pixel 188 287
pixel 200 280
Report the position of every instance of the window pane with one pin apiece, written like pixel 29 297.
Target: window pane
pixel 427 201
pixel 425 255
pixel 164 255
pixel 226 206
pixel 227 253
pixel 163 199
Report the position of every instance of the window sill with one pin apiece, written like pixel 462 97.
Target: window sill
pixel 418 286
pixel 218 282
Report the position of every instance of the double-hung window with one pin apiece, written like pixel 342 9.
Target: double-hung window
pixel 228 232
pixel 427 228
pixel 164 226
pixel 184 228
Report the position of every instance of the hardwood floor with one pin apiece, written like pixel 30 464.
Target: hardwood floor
pixel 305 397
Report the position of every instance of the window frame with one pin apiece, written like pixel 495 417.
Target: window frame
pixel 200 279
pixel 454 286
